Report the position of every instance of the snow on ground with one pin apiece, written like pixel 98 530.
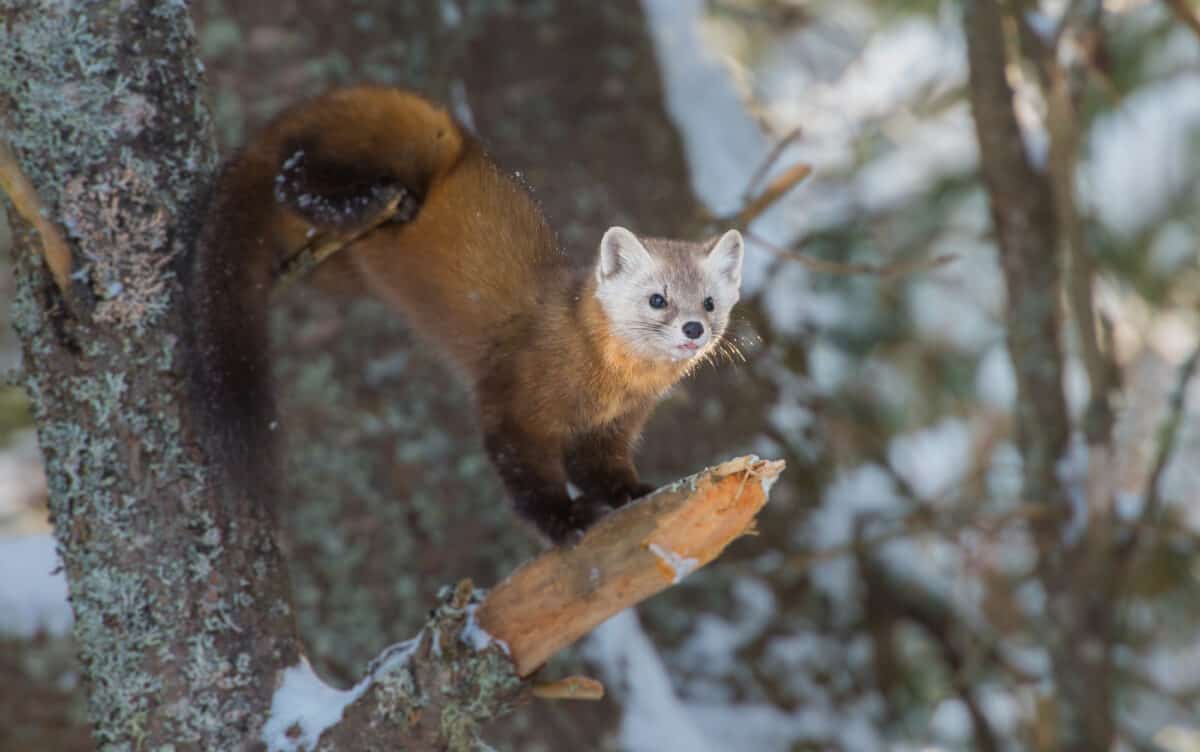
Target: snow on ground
pixel 711 648
pixel 658 719
pixel 654 718
pixel 33 591
pixel 22 484
pixel 1131 189
pixel 933 460
pixel 850 500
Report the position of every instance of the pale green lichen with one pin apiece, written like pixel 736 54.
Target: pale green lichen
pixel 111 432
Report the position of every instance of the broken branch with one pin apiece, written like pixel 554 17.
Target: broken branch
pixel 482 651
pixel 628 556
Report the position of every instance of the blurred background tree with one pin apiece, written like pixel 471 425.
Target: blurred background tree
pixel 977 364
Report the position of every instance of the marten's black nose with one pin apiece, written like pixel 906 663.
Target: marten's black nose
pixel 693 329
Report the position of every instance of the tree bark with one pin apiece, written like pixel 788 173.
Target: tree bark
pixel 181 607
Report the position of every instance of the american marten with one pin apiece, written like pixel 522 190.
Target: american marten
pixel 566 364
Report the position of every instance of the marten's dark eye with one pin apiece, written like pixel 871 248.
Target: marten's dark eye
pixel 709 305
pixel 658 301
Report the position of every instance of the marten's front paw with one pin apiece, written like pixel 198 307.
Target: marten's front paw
pixel 626 494
pixel 565 524
pixel 643 489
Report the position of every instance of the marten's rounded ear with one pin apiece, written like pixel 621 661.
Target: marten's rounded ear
pixel 620 252
pixel 725 258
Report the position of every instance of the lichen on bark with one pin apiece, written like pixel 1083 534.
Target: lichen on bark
pixel 179 607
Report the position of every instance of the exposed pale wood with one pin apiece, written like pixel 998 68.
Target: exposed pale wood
pixel 625 558
pixel 27 203
pixel 570 688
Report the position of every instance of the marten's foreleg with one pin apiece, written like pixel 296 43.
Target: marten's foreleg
pixel 600 461
pixel 530 464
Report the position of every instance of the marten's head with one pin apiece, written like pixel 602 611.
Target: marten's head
pixel 668 299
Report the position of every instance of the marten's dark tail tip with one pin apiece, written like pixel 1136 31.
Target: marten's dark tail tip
pixel 338 195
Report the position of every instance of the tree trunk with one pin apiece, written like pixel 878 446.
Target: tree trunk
pixel 180 606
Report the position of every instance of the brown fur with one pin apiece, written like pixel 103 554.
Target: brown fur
pixel 477 272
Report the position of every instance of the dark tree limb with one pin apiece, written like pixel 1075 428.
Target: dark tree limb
pixel 1073 556
pixel 1022 207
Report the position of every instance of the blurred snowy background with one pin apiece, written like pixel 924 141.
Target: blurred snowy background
pixel 898 596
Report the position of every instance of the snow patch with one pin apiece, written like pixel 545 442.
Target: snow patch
pixel 479 638
pixel 680 565
pixel 864 492
pixel 932 460
pixel 655 719
pixel 1138 164
pixel 995 379
pixel 1072 472
pixel 712 647
pixel 951 721
pixel 303 708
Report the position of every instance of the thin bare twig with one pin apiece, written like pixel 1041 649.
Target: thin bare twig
pixel 570 688
pixel 1181 9
pixel 887 271
pixel 321 247
pixel 774 191
pixel 1062 94
pixel 771 158
pixel 1169 433
pixel 27 203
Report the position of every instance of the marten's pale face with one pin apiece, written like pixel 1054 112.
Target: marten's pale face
pixel 668 299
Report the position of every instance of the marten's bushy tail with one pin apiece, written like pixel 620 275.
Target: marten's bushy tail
pixel 330 162
pixel 230 371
